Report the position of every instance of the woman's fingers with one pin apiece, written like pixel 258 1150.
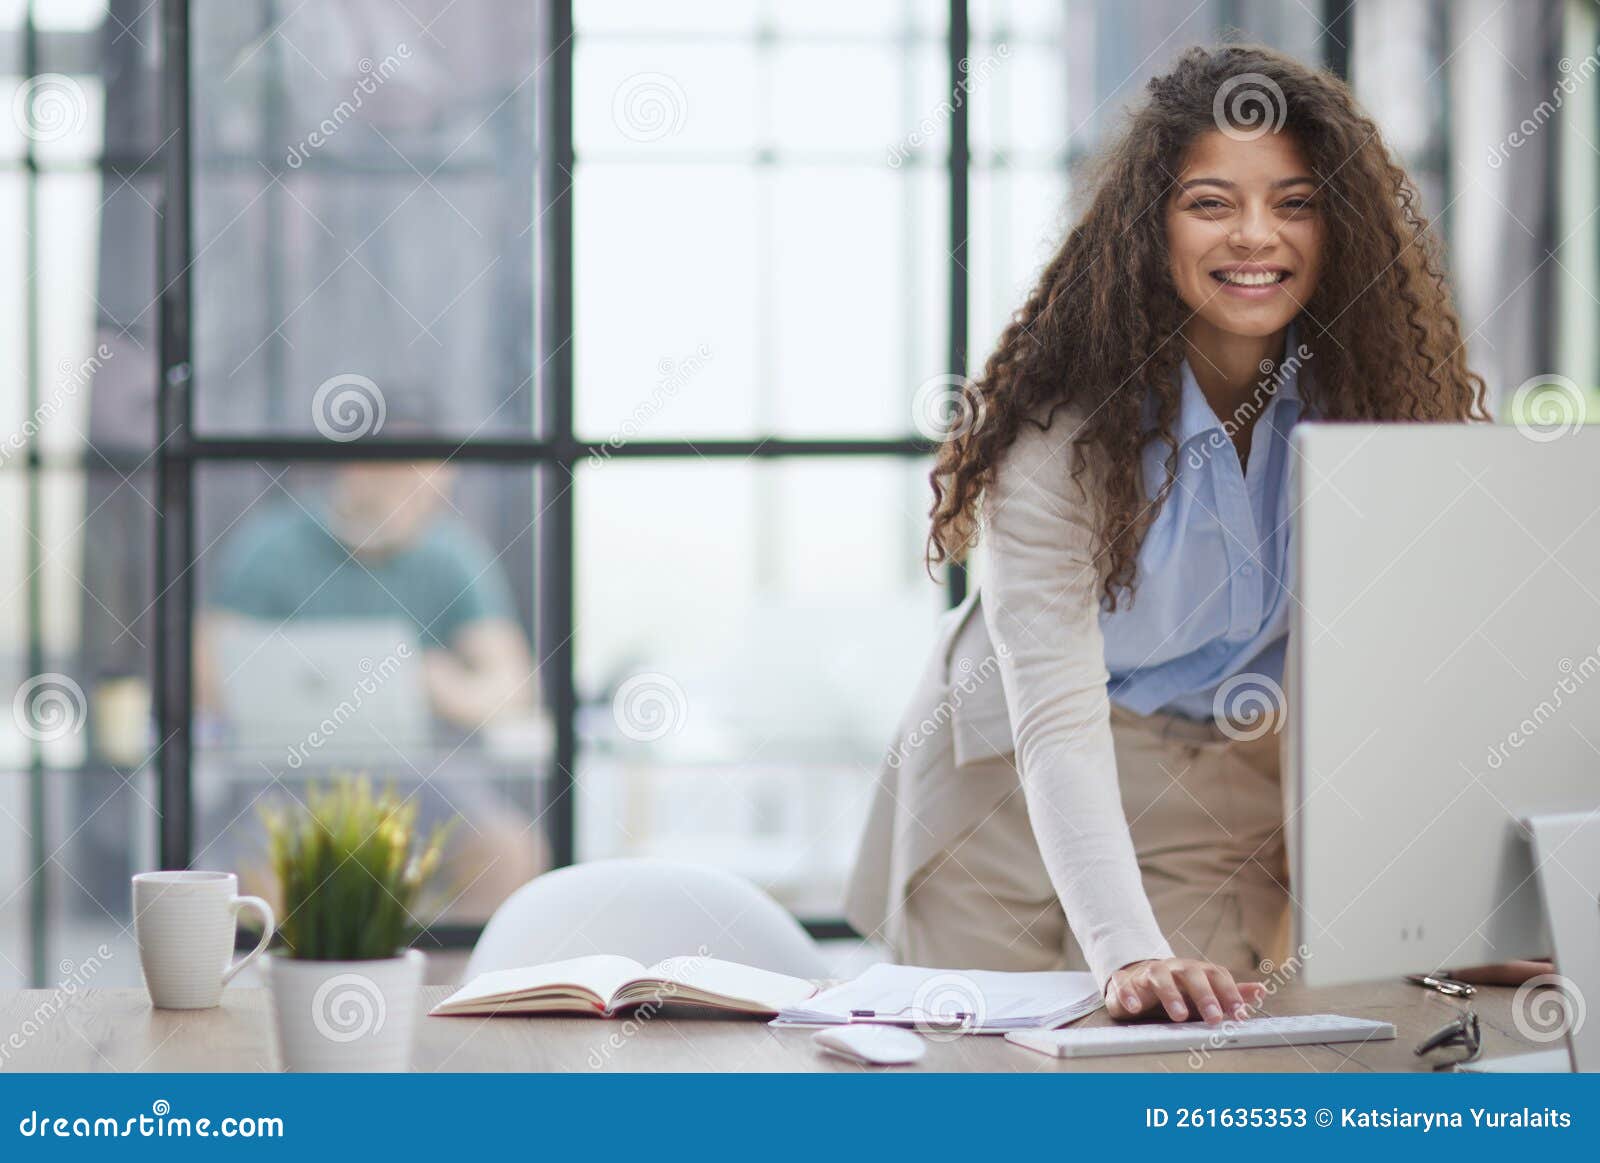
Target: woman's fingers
pixel 1181 988
pixel 1164 984
pixel 1123 998
pixel 1197 984
pixel 1229 996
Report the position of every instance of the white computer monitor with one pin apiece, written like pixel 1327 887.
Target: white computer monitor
pixel 1444 692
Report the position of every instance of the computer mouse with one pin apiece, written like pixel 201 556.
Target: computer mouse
pixel 873 1045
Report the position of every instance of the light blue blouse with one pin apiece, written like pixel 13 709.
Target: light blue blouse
pixel 1214 585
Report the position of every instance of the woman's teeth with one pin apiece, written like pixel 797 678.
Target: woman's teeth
pixel 1250 279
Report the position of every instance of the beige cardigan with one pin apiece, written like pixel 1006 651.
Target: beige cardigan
pixel 1039 633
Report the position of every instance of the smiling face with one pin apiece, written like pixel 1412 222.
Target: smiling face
pixel 1244 233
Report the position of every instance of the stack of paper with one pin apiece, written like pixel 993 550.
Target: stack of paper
pixel 972 1000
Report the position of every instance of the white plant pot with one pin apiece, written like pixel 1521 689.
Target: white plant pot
pixel 345 1016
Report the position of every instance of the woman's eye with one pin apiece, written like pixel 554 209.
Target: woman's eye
pixel 1295 205
pixel 1210 204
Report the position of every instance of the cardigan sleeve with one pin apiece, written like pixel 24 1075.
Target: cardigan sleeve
pixel 1041 603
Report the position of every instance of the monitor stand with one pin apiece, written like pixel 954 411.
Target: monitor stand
pixel 1566 859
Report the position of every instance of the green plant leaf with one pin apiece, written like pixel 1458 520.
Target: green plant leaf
pixel 351 867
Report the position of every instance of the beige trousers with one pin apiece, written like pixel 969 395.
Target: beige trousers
pixel 1206 816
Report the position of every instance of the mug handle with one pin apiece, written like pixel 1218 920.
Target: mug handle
pixel 267 915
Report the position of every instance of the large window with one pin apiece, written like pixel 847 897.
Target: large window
pixel 749 263
pixel 540 395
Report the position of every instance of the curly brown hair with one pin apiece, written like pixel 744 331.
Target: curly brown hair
pixel 1383 337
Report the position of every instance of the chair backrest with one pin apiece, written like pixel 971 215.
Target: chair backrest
pixel 647 910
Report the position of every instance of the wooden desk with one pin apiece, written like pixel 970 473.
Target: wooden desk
pixel 116 1030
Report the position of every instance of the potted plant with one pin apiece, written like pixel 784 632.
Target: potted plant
pixel 344 985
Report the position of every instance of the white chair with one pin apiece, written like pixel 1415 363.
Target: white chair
pixel 647 910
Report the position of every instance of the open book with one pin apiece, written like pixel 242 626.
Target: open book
pixel 605 983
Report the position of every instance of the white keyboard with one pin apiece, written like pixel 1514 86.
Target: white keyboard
pixel 1161 1038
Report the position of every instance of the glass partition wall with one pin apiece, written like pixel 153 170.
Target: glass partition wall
pixel 529 405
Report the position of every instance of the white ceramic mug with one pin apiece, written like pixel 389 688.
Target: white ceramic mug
pixel 185 924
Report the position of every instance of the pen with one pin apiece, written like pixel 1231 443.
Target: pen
pixel 1448 986
pixel 901 1017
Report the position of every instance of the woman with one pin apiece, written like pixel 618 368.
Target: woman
pixel 1071 787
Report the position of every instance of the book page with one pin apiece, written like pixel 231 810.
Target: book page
pixel 749 987
pixel 601 974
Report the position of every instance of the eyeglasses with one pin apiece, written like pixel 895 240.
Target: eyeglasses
pixel 1460 1033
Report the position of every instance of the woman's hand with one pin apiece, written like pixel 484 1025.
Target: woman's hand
pixel 1182 986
